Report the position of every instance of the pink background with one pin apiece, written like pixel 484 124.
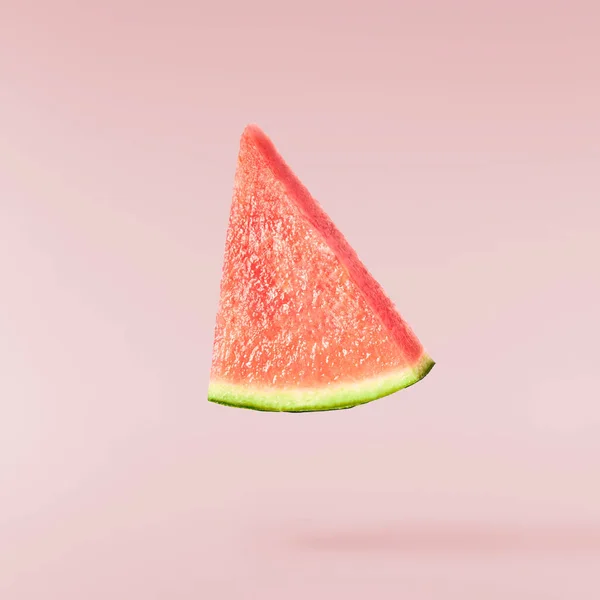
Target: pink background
pixel 455 143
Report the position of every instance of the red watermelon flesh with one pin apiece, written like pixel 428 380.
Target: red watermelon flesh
pixel 302 325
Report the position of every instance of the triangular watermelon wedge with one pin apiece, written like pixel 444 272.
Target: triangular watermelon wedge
pixel 301 325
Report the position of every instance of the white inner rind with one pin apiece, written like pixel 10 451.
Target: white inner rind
pixel 332 396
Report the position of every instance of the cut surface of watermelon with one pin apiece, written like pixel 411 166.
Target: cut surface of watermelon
pixel 301 325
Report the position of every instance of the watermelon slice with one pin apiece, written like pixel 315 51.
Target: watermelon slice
pixel 301 325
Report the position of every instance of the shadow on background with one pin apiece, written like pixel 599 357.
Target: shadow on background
pixel 449 539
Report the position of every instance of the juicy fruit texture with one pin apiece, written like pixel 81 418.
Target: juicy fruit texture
pixel 301 324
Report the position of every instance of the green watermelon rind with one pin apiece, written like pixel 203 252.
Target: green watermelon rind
pixel 331 397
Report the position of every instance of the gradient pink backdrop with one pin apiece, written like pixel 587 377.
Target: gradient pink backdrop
pixel 455 143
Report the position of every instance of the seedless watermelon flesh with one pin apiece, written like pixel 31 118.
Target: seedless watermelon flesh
pixel 301 325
